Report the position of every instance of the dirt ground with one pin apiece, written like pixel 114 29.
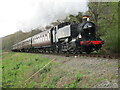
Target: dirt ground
pixel 97 72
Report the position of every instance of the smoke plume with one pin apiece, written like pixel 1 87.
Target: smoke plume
pixel 26 15
pixel 44 12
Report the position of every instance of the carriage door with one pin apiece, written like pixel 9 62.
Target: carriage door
pixel 54 32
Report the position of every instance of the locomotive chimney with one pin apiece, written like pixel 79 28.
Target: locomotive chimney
pixel 85 18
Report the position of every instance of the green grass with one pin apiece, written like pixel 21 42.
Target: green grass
pixel 50 80
pixel 17 67
pixel 78 78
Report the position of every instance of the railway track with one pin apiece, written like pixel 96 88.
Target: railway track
pixel 102 56
pixel 95 55
pixel 109 56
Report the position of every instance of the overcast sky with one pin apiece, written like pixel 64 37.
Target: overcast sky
pixel 25 15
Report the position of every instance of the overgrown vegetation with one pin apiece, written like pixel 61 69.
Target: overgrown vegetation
pixel 17 67
pixel 78 78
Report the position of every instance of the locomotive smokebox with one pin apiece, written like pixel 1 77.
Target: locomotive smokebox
pixel 85 18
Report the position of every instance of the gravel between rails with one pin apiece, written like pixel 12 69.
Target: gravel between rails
pixel 92 67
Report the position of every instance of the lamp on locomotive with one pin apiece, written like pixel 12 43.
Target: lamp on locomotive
pixel 85 18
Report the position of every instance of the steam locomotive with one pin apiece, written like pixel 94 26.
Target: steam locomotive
pixel 64 38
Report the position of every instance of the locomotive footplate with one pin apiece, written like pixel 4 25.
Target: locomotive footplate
pixel 90 44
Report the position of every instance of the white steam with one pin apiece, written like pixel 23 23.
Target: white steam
pixel 44 12
pixel 25 15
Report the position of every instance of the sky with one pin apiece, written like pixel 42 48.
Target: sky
pixel 26 15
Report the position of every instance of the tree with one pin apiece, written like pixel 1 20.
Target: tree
pixel 77 18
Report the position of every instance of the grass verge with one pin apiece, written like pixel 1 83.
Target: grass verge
pixel 17 67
